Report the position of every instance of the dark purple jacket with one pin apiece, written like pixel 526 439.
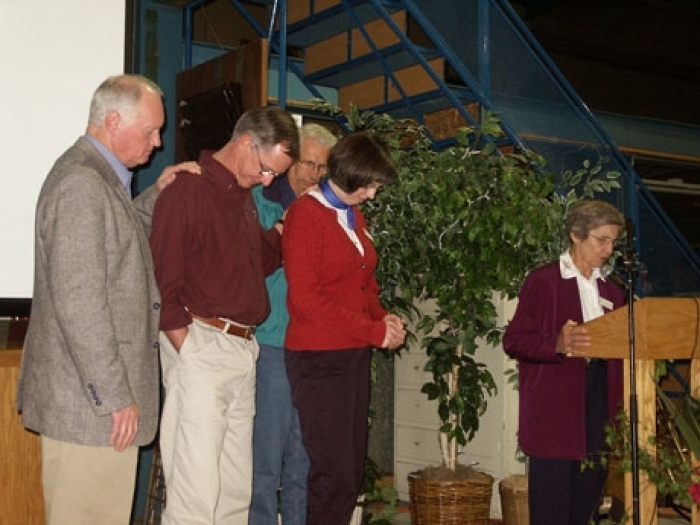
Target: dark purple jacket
pixel 552 387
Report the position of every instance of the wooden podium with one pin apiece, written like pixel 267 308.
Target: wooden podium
pixel 665 328
pixel 21 496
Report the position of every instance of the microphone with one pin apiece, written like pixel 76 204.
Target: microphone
pixel 608 271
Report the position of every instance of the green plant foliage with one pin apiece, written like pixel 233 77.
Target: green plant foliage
pixel 373 493
pixel 687 419
pixel 462 224
pixel 667 467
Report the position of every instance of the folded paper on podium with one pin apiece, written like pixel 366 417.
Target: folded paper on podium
pixel 665 328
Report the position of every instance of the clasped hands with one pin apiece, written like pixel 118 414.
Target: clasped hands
pixel 395 332
pixel 573 340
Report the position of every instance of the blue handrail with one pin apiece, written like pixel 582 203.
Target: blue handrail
pixel 505 70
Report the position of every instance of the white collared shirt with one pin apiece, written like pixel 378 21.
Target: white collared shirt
pixel 342 219
pixel 587 288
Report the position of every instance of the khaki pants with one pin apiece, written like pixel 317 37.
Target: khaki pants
pixel 86 485
pixel 207 427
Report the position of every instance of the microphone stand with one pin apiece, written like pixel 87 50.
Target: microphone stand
pixel 628 263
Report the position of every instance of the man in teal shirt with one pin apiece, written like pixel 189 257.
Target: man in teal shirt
pixel 280 462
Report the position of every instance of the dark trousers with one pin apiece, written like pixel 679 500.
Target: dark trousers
pixel 559 492
pixel 331 392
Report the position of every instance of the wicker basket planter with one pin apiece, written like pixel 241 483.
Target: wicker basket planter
pixel 514 504
pixel 450 502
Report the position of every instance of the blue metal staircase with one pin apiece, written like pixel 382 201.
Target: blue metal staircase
pixel 467 56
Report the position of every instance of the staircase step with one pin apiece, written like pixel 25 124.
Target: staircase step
pixel 380 90
pixel 348 57
pixel 368 66
pixel 443 124
pixel 352 43
pixel 424 103
pixel 329 18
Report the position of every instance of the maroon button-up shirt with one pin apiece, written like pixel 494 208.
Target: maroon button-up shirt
pixel 211 255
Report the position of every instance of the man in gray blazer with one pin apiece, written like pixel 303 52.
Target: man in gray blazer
pixel 89 378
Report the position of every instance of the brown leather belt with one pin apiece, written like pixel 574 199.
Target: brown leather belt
pixel 246 332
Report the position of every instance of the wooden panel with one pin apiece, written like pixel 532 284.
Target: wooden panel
pixel 646 402
pixel 375 91
pixel 207 119
pixel 220 23
pixel 665 328
pixel 298 10
pixel 380 34
pixel 416 80
pixel 350 45
pixel 21 497
pixel 326 53
pixel 444 124
pixel 363 94
pixel 321 5
pixel 247 65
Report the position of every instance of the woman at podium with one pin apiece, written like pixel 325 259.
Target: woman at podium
pixel 566 399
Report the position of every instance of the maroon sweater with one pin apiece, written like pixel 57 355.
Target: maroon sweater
pixel 333 297
pixel 552 388
pixel 211 255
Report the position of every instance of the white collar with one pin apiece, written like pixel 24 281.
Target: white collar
pixel 568 269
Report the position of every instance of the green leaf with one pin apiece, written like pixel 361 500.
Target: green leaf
pixel 686 420
pixel 461 224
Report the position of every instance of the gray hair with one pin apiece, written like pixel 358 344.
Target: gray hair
pixel 121 93
pixel 589 214
pixel 318 133
pixel 269 126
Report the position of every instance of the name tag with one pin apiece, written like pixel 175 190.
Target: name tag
pixel 604 303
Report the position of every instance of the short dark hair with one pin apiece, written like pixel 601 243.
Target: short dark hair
pixel 269 126
pixel 359 160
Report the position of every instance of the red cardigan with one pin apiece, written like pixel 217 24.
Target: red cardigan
pixel 333 298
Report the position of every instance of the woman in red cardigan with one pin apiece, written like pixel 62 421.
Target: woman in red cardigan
pixel 565 399
pixel 335 320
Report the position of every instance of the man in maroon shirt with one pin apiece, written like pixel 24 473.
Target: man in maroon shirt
pixel 211 257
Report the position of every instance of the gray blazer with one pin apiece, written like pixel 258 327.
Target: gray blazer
pixel 91 345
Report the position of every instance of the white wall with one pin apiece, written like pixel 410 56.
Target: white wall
pixel 494 448
pixel 54 55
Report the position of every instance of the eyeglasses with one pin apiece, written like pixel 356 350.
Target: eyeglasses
pixel 264 171
pixel 606 241
pixel 312 166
